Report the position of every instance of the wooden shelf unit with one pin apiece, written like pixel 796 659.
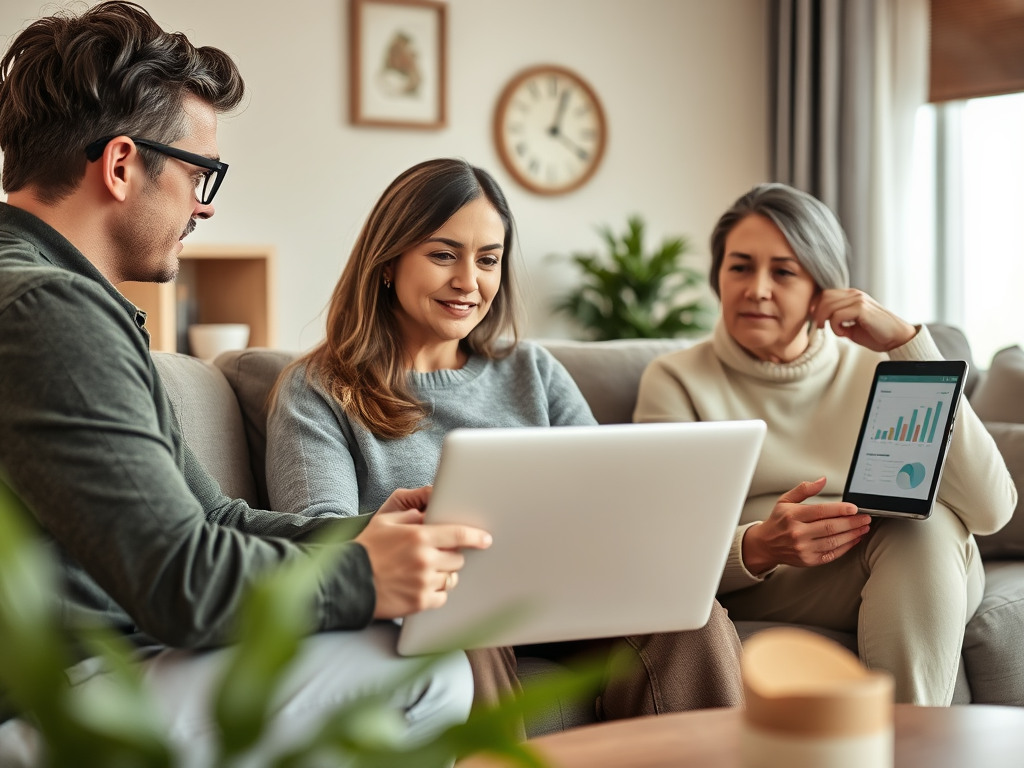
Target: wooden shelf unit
pixel 215 284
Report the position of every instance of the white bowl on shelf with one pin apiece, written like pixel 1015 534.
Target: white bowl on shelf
pixel 207 340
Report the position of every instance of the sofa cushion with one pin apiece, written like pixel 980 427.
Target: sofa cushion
pixel 608 372
pixel 210 421
pixel 1000 397
pixel 995 637
pixel 1008 542
pixel 747 629
pixel 252 374
pixel 953 345
pixel 562 713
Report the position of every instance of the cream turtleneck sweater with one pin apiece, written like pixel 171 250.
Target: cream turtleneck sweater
pixel 813 407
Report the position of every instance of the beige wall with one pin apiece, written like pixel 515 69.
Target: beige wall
pixel 683 83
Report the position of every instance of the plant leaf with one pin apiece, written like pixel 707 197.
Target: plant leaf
pixel 80 728
pixel 629 294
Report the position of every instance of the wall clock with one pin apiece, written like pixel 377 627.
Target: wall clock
pixel 550 130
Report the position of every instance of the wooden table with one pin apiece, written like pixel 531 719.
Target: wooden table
pixel 973 736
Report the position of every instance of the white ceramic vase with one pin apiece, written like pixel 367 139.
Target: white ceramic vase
pixel 207 340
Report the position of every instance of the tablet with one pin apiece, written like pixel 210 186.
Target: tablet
pixel 604 531
pixel 903 439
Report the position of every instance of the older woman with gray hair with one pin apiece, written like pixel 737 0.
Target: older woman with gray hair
pixel 797 347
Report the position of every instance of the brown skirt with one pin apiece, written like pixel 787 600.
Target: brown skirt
pixel 647 674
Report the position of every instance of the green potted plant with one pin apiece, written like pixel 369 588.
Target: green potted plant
pixel 630 294
pixel 118 724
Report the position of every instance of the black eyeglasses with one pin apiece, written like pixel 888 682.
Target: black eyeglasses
pixel 206 185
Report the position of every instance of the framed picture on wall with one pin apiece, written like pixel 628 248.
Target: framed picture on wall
pixel 398 63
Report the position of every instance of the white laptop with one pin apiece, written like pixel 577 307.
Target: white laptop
pixel 598 531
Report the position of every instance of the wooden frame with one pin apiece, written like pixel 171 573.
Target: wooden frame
pixel 504 149
pixel 398 63
pixel 215 284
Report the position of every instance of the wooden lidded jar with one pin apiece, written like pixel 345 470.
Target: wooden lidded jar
pixel 810 703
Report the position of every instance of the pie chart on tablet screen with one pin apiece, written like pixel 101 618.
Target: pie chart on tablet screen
pixel 910 476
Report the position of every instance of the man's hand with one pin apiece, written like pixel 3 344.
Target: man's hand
pixel 803 534
pixel 413 564
pixel 407 498
pixel 858 317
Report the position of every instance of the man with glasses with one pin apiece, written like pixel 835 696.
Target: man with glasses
pixel 108 127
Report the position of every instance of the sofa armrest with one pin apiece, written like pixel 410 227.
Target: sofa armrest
pixel 1009 542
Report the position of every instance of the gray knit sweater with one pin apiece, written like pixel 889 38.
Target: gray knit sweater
pixel 321 462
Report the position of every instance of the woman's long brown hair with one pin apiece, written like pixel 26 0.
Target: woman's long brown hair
pixel 361 363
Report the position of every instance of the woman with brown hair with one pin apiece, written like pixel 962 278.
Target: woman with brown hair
pixel 422 339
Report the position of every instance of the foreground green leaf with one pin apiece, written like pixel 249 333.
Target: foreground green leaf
pixel 113 723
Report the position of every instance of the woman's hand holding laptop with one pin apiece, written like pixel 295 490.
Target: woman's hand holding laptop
pixel 414 565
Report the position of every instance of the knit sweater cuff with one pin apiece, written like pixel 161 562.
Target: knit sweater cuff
pixel 736 576
pixel 921 347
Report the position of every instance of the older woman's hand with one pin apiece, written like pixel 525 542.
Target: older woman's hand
pixel 803 535
pixel 858 317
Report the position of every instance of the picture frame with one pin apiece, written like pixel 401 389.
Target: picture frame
pixel 398 65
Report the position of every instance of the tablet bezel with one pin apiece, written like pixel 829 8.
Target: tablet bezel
pixel 895 506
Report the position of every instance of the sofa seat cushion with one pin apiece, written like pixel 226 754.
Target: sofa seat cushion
pixel 210 421
pixel 994 641
pixel 962 694
pixel 747 629
pixel 562 713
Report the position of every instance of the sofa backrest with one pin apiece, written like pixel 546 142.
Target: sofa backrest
pixel 607 373
pixel 953 344
pixel 211 421
pixel 252 374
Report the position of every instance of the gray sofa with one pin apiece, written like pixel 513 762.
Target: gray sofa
pixel 222 410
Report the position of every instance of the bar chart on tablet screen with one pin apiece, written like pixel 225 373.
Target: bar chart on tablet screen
pixel 905 428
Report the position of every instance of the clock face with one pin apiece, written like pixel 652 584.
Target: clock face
pixel 550 130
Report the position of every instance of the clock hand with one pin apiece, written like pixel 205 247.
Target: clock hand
pixel 562 104
pixel 579 151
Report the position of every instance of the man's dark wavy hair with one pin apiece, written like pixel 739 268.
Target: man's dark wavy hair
pixel 68 80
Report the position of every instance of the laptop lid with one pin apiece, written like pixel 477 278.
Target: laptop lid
pixel 598 531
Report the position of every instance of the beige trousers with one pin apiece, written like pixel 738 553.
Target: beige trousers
pixel 908 590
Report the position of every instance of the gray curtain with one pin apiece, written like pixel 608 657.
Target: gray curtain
pixel 822 111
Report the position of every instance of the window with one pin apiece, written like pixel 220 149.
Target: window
pixel 977 168
pixel 992 151
pixel 965 262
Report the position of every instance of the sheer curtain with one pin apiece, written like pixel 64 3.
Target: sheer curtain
pixel 849 76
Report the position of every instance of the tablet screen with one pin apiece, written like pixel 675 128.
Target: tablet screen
pixel 903 438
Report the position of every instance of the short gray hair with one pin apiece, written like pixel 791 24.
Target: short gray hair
pixel 812 230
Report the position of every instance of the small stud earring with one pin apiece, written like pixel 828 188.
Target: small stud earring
pixel 387 282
